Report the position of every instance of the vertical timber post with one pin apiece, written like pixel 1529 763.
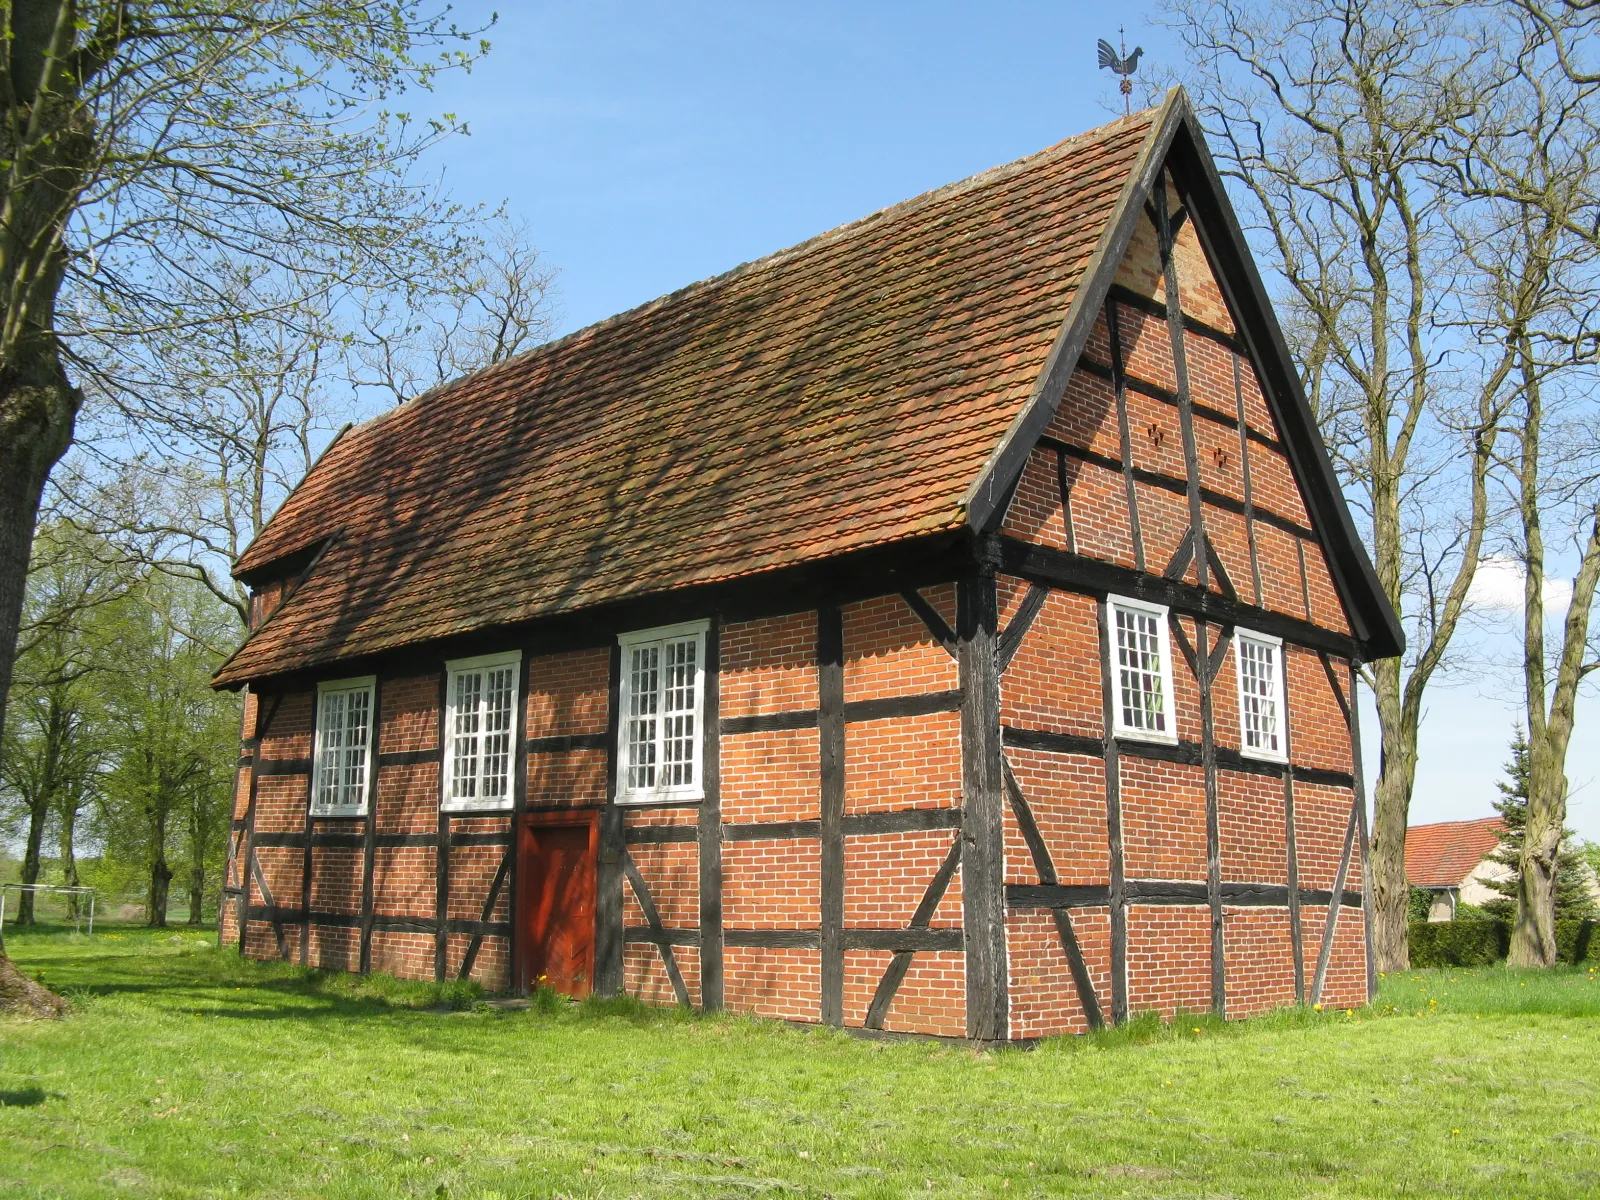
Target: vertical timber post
pixel 983 804
pixel 441 853
pixel 1358 778
pixel 1291 850
pixel 369 839
pixel 1118 898
pixel 519 805
pixel 830 725
pixel 305 867
pixel 710 831
pixel 608 872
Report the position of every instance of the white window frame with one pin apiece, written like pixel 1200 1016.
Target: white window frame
pixel 1169 735
pixel 660 794
pixel 1282 710
pixel 359 683
pixel 467 666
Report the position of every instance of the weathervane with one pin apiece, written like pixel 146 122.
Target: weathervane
pixel 1123 64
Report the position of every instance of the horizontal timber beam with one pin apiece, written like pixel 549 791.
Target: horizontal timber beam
pixel 1092 577
pixel 1168 892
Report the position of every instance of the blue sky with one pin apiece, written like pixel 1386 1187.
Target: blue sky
pixel 650 145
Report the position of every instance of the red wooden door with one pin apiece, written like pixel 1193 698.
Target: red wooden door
pixel 557 878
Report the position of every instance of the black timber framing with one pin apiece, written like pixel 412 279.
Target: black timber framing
pixel 519 805
pixel 1093 577
pixel 1116 898
pixel 1350 710
pixel 1245 482
pixel 1119 386
pixel 1045 868
pixel 441 855
pixel 1176 142
pixel 1331 926
pixel 1154 391
pixel 983 801
pixel 831 729
pixel 647 905
pixel 305 873
pixel 1291 851
pixel 1172 892
pixel 369 844
pixel 709 826
pixel 905 943
pixel 608 871
pixel 263 724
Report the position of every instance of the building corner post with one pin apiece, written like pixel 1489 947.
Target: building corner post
pixel 608 872
pixel 983 800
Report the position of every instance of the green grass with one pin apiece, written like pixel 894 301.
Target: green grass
pixel 186 1072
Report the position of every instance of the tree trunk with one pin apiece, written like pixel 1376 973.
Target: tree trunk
pixel 37 813
pixel 197 894
pixel 1391 892
pixel 1533 936
pixel 160 883
pixel 69 857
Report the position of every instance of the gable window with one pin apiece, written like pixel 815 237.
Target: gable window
pixel 1261 715
pixel 344 748
pixel 661 706
pixel 1143 698
pixel 480 730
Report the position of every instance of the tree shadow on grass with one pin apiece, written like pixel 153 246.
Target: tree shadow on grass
pixel 25 1097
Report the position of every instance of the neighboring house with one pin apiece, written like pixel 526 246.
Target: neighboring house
pixel 945 625
pixel 1451 860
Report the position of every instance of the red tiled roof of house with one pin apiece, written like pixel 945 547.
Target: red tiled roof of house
pixel 838 395
pixel 1444 854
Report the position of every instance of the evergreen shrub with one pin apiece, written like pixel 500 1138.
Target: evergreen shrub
pixel 1483 943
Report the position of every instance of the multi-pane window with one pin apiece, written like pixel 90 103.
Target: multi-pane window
pixel 1261 715
pixel 661 704
pixel 344 743
pixel 1143 700
pixel 480 731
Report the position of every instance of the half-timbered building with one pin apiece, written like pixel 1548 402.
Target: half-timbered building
pixel 946 625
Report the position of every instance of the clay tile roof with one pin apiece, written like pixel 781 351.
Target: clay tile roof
pixel 835 396
pixel 1445 854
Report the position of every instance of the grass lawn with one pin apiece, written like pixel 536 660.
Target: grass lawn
pixel 186 1072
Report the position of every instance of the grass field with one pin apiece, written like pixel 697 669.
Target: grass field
pixel 186 1072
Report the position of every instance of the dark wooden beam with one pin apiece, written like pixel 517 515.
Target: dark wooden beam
pixel 900 940
pixel 369 843
pixel 983 804
pixel 566 742
pixel 613 845
pixel 1291 852
pixel 1092 577
pixel 709 826
pixel 441 851
pixel 1116 897
pixel 831 728
pixel 1155 308
pixel 1064 490
pixel 263 724
pixel 641 893
pixel 1044 867
pixel 1245 479
pixel 1359 786
pixel 1021 621
pixel 1119 386
pixel 1331 927
pixel 932 618
pixel 409 758
pixel 501 879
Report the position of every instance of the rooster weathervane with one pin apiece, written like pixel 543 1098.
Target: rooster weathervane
pixel 1123 64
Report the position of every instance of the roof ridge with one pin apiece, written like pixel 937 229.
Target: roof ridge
pixel 752 266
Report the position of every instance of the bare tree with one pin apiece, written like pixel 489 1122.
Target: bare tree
pixel 145 142
pixel 1532 177
pixel 1328 116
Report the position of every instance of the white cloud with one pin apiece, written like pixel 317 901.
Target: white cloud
pixel 1497 585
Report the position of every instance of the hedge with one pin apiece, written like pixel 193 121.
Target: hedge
pixel 1483 943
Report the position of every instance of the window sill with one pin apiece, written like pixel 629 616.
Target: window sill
pixel 338 814
pixel 486 809
pixel 1266 756
pixel 1145 735
pixel 645 800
